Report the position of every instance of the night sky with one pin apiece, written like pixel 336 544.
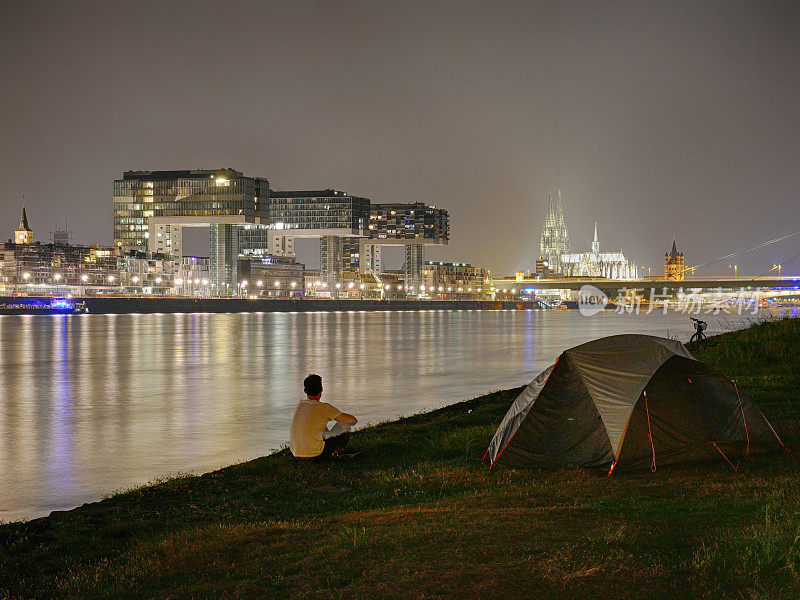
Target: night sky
pixel 654 119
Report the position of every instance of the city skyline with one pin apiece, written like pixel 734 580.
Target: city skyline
pixel 654 120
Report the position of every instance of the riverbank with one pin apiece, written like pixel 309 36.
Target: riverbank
pixel 178 304
pixel 417 516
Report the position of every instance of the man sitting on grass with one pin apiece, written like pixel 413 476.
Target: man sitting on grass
pixel 309 437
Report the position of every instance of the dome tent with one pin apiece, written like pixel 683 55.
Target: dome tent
pixel 629 401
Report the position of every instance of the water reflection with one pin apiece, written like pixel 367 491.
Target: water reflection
pixel 93 403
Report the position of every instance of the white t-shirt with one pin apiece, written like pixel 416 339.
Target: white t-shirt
pixel 309 423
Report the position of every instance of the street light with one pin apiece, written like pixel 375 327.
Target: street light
pixel 259 283
pixel 134 279
pixel 111 279
pixel 57 276
pixel 84 278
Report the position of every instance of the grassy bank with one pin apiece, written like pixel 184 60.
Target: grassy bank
pixel 419 517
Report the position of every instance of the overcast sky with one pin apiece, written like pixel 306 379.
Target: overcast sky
pixel 654 118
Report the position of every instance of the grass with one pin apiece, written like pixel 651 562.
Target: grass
pixel 417 516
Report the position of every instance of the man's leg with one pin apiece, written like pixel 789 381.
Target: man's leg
pixel 332 445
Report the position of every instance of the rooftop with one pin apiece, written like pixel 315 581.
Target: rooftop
pixel 185 174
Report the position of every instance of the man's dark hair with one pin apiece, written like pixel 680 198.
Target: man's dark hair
pixel 312 385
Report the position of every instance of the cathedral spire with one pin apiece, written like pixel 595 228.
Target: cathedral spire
pixel 555 239
pixel 560 211
pixel 596 242
pixel 550 218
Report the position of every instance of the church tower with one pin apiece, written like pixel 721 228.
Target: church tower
pixel 596 242
pixel 23 234
pixel 555 238
pixel 674 264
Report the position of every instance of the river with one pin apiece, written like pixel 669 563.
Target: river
pixel 90 404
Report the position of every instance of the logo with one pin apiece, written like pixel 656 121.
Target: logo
pixel 591 300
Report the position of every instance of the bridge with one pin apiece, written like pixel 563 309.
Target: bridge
pixel 612 287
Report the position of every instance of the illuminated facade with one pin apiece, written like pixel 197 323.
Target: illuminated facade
pixel 674 265
pixel 610 265
pixel 555 238
pixel 151 208
pixel 413 225
pixel 454 280
pixel 150 272
pixel 276 277
pixel 246 220
pixel 315 213
pixel 48 265
pixel 23 234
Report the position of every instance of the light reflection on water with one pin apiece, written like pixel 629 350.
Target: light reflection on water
pixel 94 403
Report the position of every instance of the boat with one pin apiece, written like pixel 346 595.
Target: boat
pixel 41 306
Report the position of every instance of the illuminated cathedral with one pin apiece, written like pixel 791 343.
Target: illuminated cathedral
pixel 557 260
pixel 608 265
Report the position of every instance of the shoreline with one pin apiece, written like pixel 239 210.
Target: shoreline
pixel 151 305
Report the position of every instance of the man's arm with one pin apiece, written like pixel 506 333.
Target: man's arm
pixel 346 419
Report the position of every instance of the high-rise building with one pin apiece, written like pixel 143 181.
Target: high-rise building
pixel 151 208
pixel 555 238
pixel 147 203
pixel 23 234
pixel 674 264
pixel 413 225
pixel 248 221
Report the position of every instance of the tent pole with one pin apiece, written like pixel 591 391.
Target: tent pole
pixel 650 434
pixel 746 432
pixel 725 457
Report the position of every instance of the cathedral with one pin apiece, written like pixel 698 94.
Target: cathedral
pixel 557 260
pixel 609 265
